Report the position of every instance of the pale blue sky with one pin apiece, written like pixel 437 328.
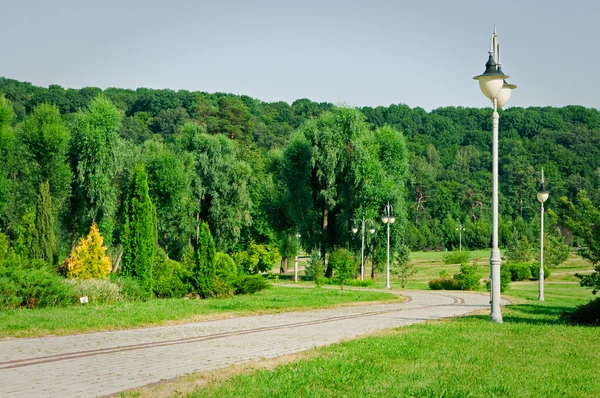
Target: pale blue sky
pixel 421 53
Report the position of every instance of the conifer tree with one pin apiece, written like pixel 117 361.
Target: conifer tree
pixel 138 235
pixel 44 238
pixel 89 259
pixel 204 271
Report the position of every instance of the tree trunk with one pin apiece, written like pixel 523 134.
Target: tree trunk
pixel 373 273
pixel 115 266
pixel 284 265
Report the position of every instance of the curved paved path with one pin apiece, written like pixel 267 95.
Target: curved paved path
pixel 92 364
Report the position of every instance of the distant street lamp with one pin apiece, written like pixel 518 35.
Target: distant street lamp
pixel 362 249
pixel 460 228
pixel 493 85
pixel 542 196
pixel 388 218
pixel 296 259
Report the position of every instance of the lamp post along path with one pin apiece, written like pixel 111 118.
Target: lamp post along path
pixel 296 259
pixel 460 229
pixel 362 247
pixel 494 86
pixel 542 196
pixel 388 218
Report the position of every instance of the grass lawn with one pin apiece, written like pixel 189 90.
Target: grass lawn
pixel 533 354
pixel 126 315
pixel 429 265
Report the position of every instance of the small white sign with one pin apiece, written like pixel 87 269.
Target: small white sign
pixel 83 299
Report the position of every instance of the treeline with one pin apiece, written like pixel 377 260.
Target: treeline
pixel 260 173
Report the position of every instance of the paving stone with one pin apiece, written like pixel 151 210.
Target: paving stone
pixel 96 364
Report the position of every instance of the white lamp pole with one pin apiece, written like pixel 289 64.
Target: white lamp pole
pixel 388 218
pixel 493 85
pixel 460 229
pixel 296 259
pixel 542 195
pixel 362 248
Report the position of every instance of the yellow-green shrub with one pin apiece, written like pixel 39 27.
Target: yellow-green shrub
pixel 89 259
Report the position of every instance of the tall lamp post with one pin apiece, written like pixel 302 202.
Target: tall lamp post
pixel 388 218
pixel 296 258
pixel 362 248
pixel 460 229
pixel 493 85
pixel 542 195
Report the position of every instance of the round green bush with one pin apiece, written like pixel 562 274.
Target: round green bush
pixel 535 271
pixel 168 277
pixel 468 277
pixel 226 268
pixel 520 271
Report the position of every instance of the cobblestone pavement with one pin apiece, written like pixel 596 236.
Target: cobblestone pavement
pixel 95 364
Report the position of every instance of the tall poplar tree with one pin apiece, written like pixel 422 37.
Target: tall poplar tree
pixel 138 232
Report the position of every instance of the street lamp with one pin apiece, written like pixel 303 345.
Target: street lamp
pixel 362 249
pixel 460 229
pixel 388 218
pixel 296 259
pixel 493 85
pixel 542 195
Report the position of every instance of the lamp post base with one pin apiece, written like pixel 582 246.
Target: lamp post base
pixel 496 314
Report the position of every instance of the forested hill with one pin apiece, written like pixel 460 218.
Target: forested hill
pixel 449 155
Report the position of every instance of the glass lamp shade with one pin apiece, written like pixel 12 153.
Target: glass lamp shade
pixel 490 85
pixel 354 230
pixel 384 219
pixel 492 80
pixel 543 196
pixel 372 230
pixel 392 219
pixel 504 95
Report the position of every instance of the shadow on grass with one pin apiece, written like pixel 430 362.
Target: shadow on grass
pixel 535 314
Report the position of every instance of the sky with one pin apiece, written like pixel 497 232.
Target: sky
pixel 356 53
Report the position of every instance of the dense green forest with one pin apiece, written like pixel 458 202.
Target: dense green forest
pixel 259 174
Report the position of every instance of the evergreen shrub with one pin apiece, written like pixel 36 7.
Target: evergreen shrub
pixel 585 314
pixel 169 277
pixel 225 267
pixel 249 284
pixel 204 273
pixel 32 287
pixel 89 259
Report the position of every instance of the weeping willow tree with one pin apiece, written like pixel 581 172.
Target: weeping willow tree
pixel 95 141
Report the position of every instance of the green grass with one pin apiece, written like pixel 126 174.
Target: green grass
pixel 86 318
pixel 533 354
pixel 430 264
